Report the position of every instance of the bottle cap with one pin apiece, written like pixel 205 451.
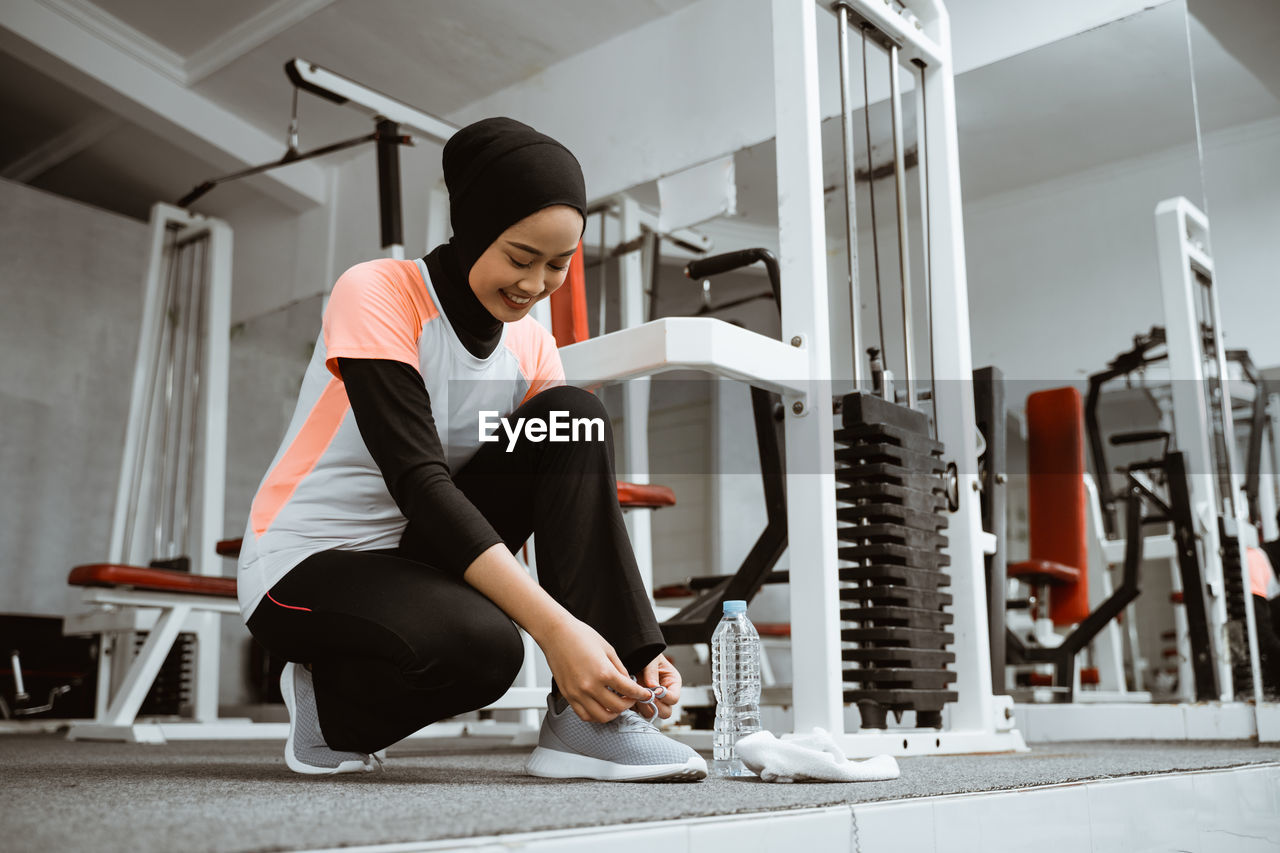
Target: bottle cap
pixel 735 607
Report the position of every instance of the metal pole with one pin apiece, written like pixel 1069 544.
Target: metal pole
pixel 851 201
pixel 160 489
pixel 871 184
pixel 922 158
pixel 389 207
pixel 154 347
pixel 900 182
pixel 201 291
pixel 604 269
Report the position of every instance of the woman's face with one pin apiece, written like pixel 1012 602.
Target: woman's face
pixel 527 263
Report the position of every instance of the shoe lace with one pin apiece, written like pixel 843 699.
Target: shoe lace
pixel 632 721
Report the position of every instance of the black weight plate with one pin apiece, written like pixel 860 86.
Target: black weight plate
pixel 915 638
pixel 893 475
pixel 886 513
pixel 910 679
pixel 858 408
pixel 918 700
pixel 929 579
pixel 881 493
pixel 900 656
pixel 888 434
pixel 897 534
pixel 881 552
pixel 888 454
pixel 904 596
pixel 907 617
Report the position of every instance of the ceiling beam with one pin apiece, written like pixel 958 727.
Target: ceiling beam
pixel 1248 30
pixel 61 148
pixel 119 80
pixel 246 36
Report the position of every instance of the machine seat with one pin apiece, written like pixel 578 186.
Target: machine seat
pixel 154 580
pixel 1044 572
pixel 645 496
pixel 630 496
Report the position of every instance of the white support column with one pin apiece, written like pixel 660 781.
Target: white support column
pixel 810 446
pixel 1191 416
pixel 438 217
pixel 635 393
pixel 976 709
pixel 217 360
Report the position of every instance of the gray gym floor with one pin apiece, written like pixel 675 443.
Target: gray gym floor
pixel 239 796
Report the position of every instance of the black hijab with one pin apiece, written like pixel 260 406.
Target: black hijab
pixel 498 171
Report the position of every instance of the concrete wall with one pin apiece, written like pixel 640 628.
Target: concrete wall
pixel 1242 185
pixel 71 284
pixel 71 280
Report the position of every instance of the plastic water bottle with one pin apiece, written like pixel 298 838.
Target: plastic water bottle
pixel 735 677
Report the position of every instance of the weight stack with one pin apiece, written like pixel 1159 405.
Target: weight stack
pixel 171 693
pixel 891 501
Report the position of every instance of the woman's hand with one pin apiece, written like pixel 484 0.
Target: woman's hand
pixel 661 673
pixel 585 667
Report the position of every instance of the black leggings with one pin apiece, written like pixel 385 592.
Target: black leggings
pixel 396 644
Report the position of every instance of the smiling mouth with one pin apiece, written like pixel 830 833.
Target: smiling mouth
pixel 519 301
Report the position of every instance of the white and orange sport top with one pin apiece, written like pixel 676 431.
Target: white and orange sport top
pixel 323 489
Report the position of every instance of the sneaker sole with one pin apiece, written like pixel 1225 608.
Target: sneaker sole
pixel 297 766
pixel 553 764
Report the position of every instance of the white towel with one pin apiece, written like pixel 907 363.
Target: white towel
pixel 813 757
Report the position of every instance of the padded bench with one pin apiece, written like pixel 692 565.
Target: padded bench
pixel 176 595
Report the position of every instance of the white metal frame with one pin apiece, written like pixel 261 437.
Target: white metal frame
pixel 125 678
pixel 1182 240
pixel 979 721
pixel 800 370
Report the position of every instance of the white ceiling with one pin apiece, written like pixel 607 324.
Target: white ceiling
pixel 1112 92
pixel 183 27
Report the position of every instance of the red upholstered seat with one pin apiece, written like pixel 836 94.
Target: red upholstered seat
pixel 1044 571
pixel 630 495
pixel 636 495
pixel 155 580
pixel 1056 500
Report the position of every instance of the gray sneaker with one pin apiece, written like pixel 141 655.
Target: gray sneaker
pixel 305 750
pixel 628 748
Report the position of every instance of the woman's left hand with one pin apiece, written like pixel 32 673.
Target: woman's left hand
pixel 660 673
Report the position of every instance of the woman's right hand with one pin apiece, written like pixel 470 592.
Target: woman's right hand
pixel 585 667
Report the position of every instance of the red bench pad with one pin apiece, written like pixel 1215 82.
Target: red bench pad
pixel 1044 571
pixel 156 580
pixel 629 495
pixel 636 495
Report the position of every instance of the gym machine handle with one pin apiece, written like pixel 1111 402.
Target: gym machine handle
pixel 1138 437
pixel 728 261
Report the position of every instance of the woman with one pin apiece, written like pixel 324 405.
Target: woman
pixel 378 553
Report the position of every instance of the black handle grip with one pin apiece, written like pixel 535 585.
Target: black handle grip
pixel 729 261
pixel 1138 437
pixel 716 264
